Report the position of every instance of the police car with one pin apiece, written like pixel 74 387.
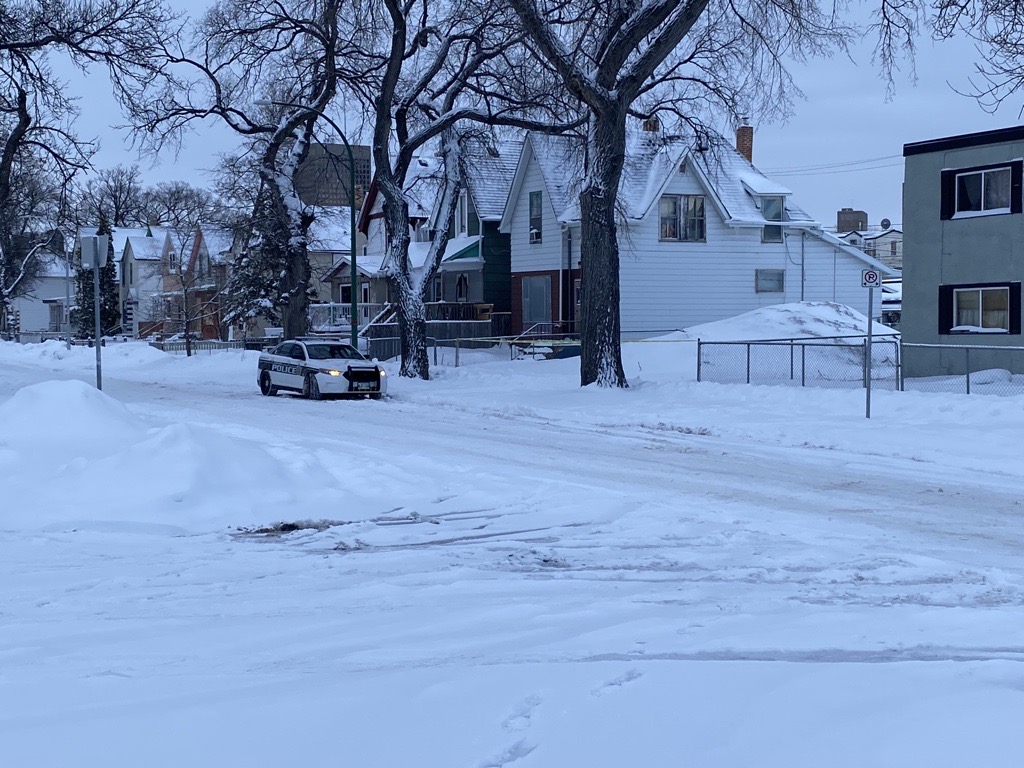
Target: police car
pixel 319 367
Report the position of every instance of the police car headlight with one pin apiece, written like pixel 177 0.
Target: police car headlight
pixel 330 372
pixel 382 372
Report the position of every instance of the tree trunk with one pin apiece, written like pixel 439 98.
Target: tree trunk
pixel 600 346
pixel 295 310
pixel 412 314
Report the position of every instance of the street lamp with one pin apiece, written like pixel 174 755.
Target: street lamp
pixel 354 277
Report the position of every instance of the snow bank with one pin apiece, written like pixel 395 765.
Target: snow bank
pixel 77 457
pixel 804 319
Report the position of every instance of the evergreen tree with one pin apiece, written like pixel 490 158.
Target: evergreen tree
pixel 83 317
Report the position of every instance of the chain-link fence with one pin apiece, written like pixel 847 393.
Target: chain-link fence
pixel 839 362
pixel 964 368
pixel 842 362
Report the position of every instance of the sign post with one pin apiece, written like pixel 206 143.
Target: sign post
pixel 94 254
pixel 870 279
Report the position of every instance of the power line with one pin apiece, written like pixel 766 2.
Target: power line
pixel 835 165
pixel 834 170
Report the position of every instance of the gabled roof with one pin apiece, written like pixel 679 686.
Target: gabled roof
pixel 489 173
pixel 147 246
pixel 734 184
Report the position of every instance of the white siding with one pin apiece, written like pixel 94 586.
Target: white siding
pixel 33 314
pixel 673 285
pixel 527 256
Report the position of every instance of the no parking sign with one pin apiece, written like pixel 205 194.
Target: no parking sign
pixel 871 278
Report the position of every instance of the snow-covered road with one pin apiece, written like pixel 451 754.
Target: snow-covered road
pixel 515 572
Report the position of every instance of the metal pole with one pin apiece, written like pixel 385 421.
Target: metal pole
pixel 698 359
pixel 803 365
pixel 96 309
pixel 748 362
pixel 66 314
pixel 967 367
pixel 867 355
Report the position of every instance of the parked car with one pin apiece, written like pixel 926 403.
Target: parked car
pixel 317 368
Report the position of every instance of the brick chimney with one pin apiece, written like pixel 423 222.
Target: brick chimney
pixel 745 140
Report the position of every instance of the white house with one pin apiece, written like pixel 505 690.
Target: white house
pixel 703 235
pixel 141 274
pixel 884 244
pixel 44 307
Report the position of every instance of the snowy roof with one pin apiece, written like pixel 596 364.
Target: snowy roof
pixel 52 265
pixel 652 159
pixel 219 241
pixel 489 174
pixel 147 247
pixel 119 236
pixel 560 160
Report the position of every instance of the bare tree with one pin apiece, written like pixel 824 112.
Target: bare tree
pixel 244 51
pixel 36 115
pixel 113 193
pixel 642 58
pixel 439 66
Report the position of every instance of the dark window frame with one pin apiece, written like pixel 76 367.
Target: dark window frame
pixel 948 182
pixel 947 318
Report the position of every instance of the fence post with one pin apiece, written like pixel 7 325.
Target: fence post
pixel 698 359
pixel 748 362
pixel 867 362
pixel 803 365
pixel 791 360
pixel 435 352
pixel 899 363
pixel 967 367
pixel 457 353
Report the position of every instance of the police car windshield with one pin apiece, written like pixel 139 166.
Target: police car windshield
pixel 332 352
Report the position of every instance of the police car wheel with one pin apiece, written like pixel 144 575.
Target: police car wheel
pixel 310 389
pixel 266 388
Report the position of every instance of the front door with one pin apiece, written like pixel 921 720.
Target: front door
pixel 536 301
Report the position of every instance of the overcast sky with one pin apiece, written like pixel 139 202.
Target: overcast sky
pixel 842 148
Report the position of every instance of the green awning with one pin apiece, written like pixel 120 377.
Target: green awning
pixel 471 251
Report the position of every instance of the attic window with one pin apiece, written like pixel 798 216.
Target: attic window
pixel 771 209
pixel 536 217
pixel 681 217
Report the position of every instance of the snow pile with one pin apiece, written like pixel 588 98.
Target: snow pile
pixel 76 456
pixel 799 320
pixel 116 355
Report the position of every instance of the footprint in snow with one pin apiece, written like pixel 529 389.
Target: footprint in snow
pixel 618 682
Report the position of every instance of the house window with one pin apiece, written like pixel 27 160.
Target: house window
pixel 981 191
pixel 771 210
pixel 769 280
pixel 468 221
pixel 536 216
pixel 462 287
pixel 681 217
pixel 536 300
pixel 435 290
pixel 980 308
pixel 172 259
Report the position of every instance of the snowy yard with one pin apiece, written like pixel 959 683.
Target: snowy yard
pixel 505 570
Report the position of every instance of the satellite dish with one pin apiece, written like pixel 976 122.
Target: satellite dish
pixel 886 223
